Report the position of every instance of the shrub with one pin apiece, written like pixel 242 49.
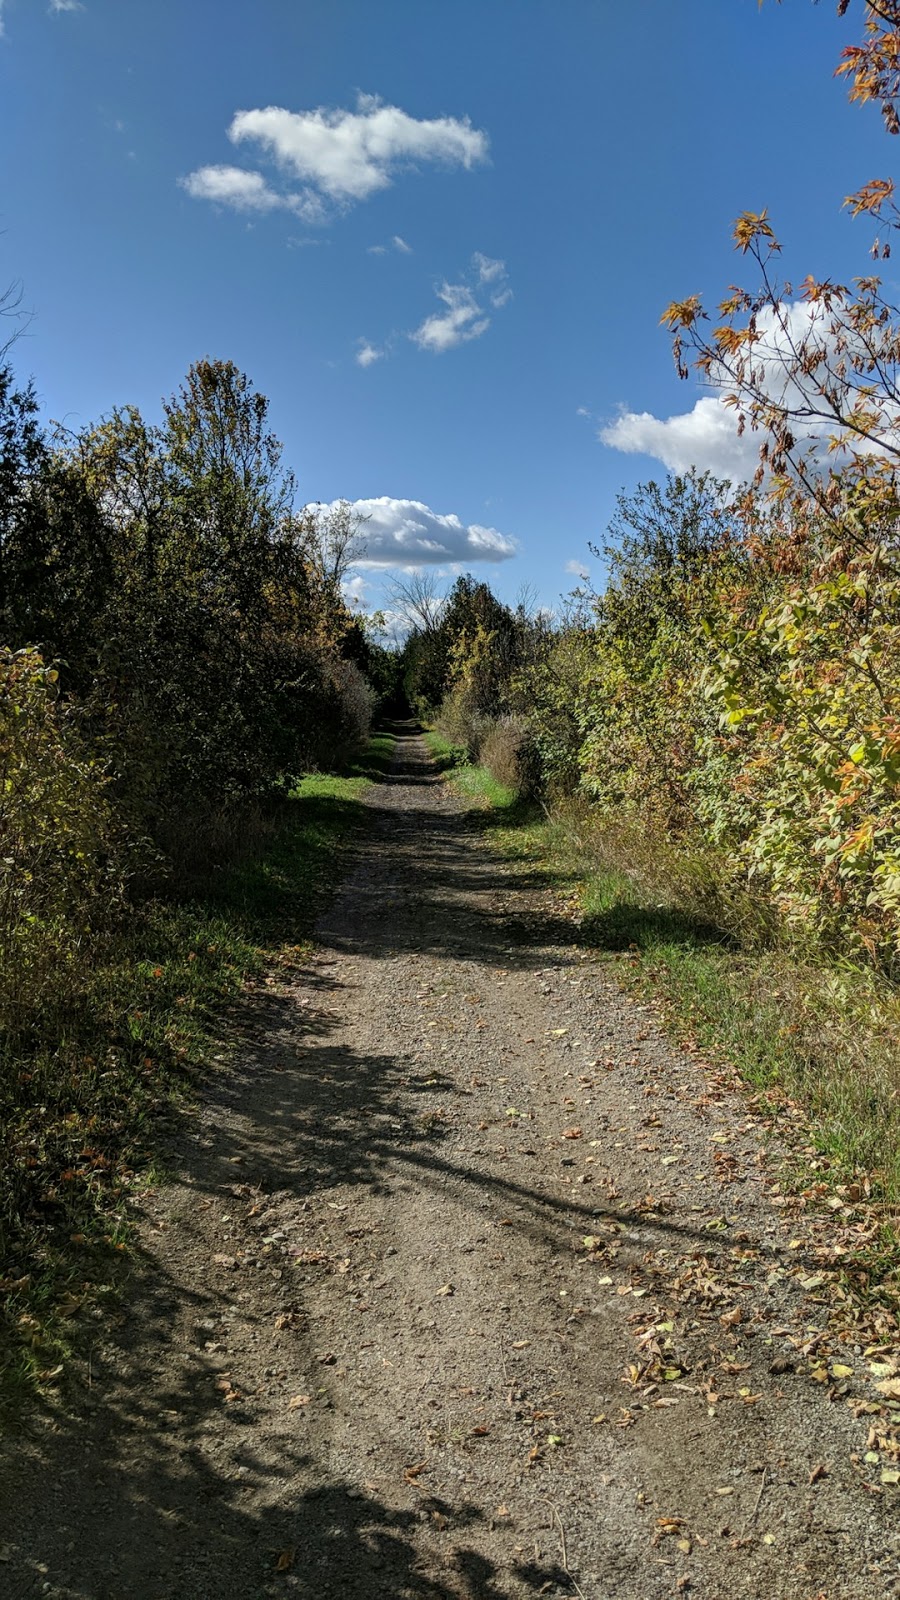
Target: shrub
pixel 62 849
pixel 509 752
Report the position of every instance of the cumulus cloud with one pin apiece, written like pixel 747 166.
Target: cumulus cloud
pixel 464 317
pixel 407 533
pixel 367 353
pixel 577 569
pixel 707 436
pixel 245 190
pixel 337 156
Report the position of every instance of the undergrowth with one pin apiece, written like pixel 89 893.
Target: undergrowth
pixel 89 1099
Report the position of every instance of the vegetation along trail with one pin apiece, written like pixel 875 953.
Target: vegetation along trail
pixel 467 1284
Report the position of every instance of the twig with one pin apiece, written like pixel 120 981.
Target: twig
pixel 562 1545
pixel 752 1517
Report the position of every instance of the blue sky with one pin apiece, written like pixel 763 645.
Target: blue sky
pixel 438 234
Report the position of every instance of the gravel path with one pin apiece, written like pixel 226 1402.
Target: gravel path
pixel 469 1285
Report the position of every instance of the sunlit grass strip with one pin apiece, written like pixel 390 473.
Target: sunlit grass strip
pixel 471 780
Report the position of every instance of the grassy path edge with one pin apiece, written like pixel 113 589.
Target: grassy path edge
pixel 814 1046
pixel 89 1114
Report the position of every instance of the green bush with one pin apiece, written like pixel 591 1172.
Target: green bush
pixel 63 857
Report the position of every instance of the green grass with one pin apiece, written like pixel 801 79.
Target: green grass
pixel 817 1037
pixel 471 780
pixel 90 1099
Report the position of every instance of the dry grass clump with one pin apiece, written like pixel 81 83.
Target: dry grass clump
pixel 508 751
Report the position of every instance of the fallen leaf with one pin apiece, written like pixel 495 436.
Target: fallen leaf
pixel 298 1400
pixel 820 1470
pixel 411 1473
pixel 285 1560
pixel 571 1133
pixel 446 1289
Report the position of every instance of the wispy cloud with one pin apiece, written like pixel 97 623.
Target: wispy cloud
pixel 407 533
pixel 464 317
pixel 460 322
pixel 343 156
pixel 65 5
pixel 398 244
pixel 367 354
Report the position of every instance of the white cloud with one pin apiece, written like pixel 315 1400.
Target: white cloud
pixel 367 353
pixel 407 533
pixel 488 271
pixel 707 436
pixel 401 245
pixel 464 318
pixel 231 186
pixel 246 191
pixel 356 590
pixel 65 5
pixel 377 250
pixel 349 155
pixel 577 569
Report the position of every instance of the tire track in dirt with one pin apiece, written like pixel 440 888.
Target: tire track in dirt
pixel 468 1288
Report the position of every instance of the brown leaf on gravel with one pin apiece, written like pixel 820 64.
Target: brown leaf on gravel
pixel 890 1388
pixel 820 1470
pixel 446 1289
pixel 228 1262
pixel 571 1133
pixel 285 1560
pixel 411 1473
pixel 298 1400
pixel 481 1430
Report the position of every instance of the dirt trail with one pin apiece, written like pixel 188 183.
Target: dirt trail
pixel 366 1348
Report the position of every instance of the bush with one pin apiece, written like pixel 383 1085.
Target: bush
pixel 509 752
pixel 62 849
